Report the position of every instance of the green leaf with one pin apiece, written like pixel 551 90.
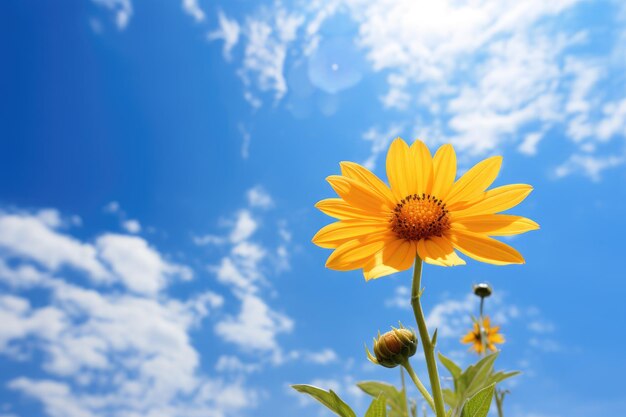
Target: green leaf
pixel 476 376
pixel 501 376
pixel 472 380
pixel 449 397
pixel 394 397
pixel 453 368
pixel 478 405
pixel 378 408
pixel 328 398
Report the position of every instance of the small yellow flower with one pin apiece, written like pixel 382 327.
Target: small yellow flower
pixel 491 333
pixel 423 213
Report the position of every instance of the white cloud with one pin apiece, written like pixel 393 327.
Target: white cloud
pixel 112 207
pixel 245 134
pixel 256 326
pixel 400 299
pixel 209 240
pixel 541 326
pixel 530 142
pixel 50 217
pixel 484 76
pixel 516 87
pixel 132 226
pixel 245 226
pixel 21 275
pixel 228 31
pixel 123 10
pixel 380 142
pixel 229 273
pixel 106 352
pixel 588 165
pixel 139 267
pixel 58 397
pixel 284 232
pixel 545 345
pixel 452 317
pixel 243 269
pixel 614 121
pixel 258 197
pixel 192 8
pixel 268 36
pixel 228 363
pixel 24 235
pixel 322 357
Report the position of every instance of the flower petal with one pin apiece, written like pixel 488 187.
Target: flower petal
pixel 496 338
pixel 444 171
pixel 474 182
pixel 359 195
pixel 352 254
pixel 485 249
pixel 495 200
pixel 397 256
pixel 339 209
pixel 364 175
pixel 423 167
pixel 468 338
pixel 495 224
pixel 401 170
pixel 438 251
pixel 335 234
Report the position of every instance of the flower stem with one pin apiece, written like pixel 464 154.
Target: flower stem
pixel 420 387
pixel 427 343
pixel 481 327
pixel 499 396
pixel 405 399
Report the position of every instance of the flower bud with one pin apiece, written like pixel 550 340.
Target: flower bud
pixel 394 347
pixel 482 290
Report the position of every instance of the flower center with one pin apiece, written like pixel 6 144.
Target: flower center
pixel 419 217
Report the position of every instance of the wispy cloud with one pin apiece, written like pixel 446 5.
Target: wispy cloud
pixel 484 76
pixel 256 325
pixel 258 197
pixel 589 165
pixel 97 340
pixel 244 269
pixel 123 10
pixel 228 31
pixel 192 8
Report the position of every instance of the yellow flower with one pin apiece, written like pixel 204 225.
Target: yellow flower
pixel 491 333
pixel 423 213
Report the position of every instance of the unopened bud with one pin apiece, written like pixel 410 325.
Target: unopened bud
pixel 483 290
pixel 394 347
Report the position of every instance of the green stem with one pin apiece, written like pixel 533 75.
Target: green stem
pixel 427 344
pixel 406 400
pixel 499 395
pixel 481 327
pixel 420 387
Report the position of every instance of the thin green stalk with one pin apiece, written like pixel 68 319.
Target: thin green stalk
pixel 483 332
pixel 406 400
pixel 420 387
pixel 499 407
pixel 499 396
pixel 427 343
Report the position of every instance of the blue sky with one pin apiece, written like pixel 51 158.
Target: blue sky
pixel 160 162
